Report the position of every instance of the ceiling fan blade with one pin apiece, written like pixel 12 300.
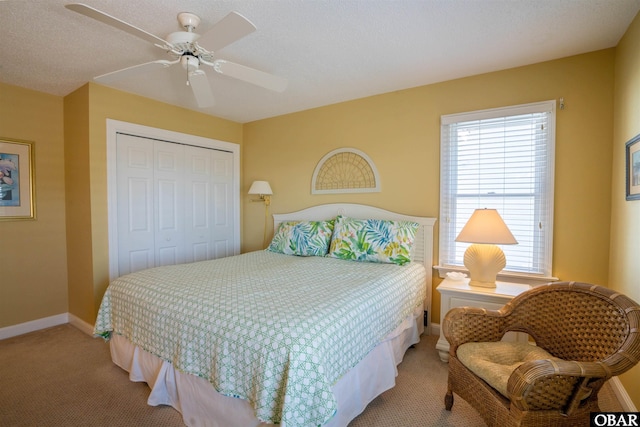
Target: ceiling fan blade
pixel 249 75
pixel 133 71
pixel 199 83
pixel 89 11
pixel 231 28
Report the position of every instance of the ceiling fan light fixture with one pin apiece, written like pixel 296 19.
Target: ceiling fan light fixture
pixel 189 62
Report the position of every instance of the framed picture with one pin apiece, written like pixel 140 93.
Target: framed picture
pixel 17 196
pixel 633 168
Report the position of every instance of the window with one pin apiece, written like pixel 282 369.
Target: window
pixel 502 159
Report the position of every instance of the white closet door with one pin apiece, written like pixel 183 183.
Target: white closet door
pixel 223 219
pixel 198 209
pixel 169 203
pixel 208 204
pixel 172 197
pixel 175 203
pixel 135 212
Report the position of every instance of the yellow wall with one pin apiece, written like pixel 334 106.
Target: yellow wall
pixel 33 261
pixel 87 110
pixel 400 131
pixel 77 184
pixel 624 265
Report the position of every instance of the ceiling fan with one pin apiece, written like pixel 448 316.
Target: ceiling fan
pixel 187 48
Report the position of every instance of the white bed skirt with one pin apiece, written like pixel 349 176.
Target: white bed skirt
pixel 200 405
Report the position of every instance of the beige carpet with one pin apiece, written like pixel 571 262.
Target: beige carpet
pixel 62 377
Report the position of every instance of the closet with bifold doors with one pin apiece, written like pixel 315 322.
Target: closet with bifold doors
pixel 174 203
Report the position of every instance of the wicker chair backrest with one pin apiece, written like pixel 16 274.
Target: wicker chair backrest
pixel 579 321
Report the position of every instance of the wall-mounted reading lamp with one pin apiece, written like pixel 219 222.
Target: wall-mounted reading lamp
pixel 263 189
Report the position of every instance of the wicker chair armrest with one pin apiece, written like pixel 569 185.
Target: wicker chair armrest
pixel 553 383
pixel 472 324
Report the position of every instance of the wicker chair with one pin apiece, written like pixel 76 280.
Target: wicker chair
pixel 593 329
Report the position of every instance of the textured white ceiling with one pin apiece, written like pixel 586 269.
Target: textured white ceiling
pixel 329 50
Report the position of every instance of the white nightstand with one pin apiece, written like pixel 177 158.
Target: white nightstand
pixel 458 293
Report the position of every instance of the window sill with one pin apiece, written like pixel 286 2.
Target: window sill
pixel 505 276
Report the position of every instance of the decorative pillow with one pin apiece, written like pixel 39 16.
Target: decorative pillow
pixel 302 238
pixel 373 240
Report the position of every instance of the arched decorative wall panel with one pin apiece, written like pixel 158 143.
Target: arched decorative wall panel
pixel 345 170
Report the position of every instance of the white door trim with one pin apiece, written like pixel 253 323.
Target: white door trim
pixel 113 128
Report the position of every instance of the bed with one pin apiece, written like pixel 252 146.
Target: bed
pixel 273 338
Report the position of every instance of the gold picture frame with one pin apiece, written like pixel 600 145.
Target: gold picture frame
pixel 17 180
pixel 632 158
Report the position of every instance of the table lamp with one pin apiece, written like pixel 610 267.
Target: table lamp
pixel 484 260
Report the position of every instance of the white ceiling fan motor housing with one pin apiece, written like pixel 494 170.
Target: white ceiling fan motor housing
pixel 183 39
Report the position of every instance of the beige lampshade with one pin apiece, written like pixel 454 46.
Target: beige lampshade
pixel 261 187
pixel 486 226
pixel 484 259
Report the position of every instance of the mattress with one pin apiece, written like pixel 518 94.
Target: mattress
pixel 276 331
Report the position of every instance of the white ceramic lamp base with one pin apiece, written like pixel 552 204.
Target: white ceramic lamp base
pixel 484 262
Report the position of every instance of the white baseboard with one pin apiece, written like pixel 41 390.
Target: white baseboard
pixel 33 325
pixel 435 329
pixel 44 323
pixel 622 395
pixel 81 324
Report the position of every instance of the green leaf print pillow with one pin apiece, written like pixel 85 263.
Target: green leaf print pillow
pixel 373 240
pixel 302 238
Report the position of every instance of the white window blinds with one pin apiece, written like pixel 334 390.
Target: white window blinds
pixel 501 159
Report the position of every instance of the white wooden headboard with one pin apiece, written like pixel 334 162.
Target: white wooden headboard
pixel 423 246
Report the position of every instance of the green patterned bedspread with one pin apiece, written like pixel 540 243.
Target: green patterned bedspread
pixel 276 330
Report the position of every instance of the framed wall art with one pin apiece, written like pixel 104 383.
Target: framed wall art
pixel 633 168
pixel 17 187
